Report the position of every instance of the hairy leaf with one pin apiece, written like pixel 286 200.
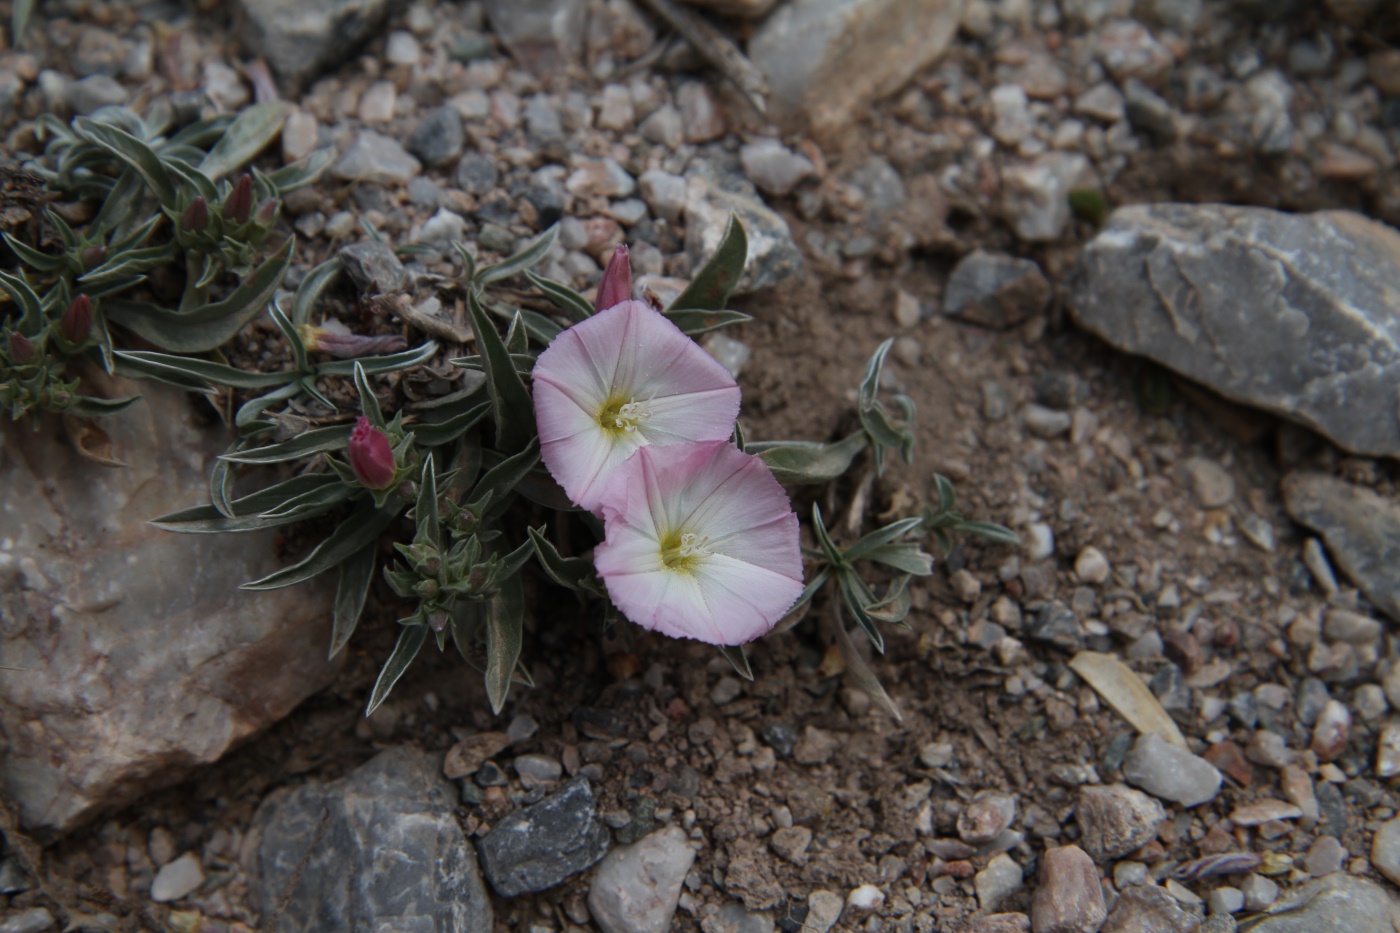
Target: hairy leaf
pixel 410 642
pixel 714 283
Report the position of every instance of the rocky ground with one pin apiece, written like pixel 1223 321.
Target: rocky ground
pixel 1169 710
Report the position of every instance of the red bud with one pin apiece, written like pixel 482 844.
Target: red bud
pixel 238 207
pixel 371 455
pixel 76 323
pixel 616 285
pixel 196 216
pixel 21 349
pixel 267 211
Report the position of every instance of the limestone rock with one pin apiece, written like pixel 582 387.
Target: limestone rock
pixel 1291 313
pixel 1149 909
pixel 131 655
pixel 1338 903
pixel 1115 820
pixel 1361 528
pixel 543 35
pixel 377 850
pixel 301 38
pixel 636 887
pixel 826 59
pixel 712 194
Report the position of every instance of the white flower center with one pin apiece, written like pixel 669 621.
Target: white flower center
pixel 685 551
pixel 627 416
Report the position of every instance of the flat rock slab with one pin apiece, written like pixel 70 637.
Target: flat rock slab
pixel 377 850
pixel 1361 529
pixel 534 849
pixel 1338 903
pixel 1293 313
pixel 301 38
pixel 132 657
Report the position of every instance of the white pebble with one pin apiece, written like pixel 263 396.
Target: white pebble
pixel 866 897
pixel 1091 566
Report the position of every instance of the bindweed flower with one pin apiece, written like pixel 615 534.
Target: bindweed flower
pixel 616 284
pixel 196 217
pixel 371 455
pixel 624 379
pixel 348 346
pixel 76 323
pixel 701 542
pixel 22 350
pixel 238 206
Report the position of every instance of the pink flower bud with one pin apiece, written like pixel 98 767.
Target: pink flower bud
pixel 238 206
pixel 76 323
pixel 616 285
pixel 196 217
pixel 371 455
pixel 267 211
pixel 21 349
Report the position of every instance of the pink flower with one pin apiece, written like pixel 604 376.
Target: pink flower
pixel 371 455
pixel 701 542
pixel 616 284
pixel 623 379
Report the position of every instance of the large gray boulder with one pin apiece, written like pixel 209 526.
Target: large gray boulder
pixel 1294 313
pixel 130 655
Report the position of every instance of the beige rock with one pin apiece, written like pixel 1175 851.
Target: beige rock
pixel 1069 898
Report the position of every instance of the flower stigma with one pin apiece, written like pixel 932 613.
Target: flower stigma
pixel 683 552
pixel 626 416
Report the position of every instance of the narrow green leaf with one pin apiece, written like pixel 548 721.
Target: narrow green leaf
pixel 356 574
pixel 181 370
pixel 369 403
pixel 206 519
pixel 375 365
pixel 137 156
pixel 536 326
pixel 694 321
pixel 947 496
pixel 31 308
pixel 221 487
pixel 303 171
pixel 209 327
pixel 202 133
pixel 246 421
pixel 127 265
pixel 870 385
pixel 833 554
pixel 316 441
pixel 249 135
pixel 19 19
pixel 289 333
pixel 317 282
pixel 861 672
pixel 714 283
pixel 906 557
pixel 32 257
pixel 354 533
pixel 517 339
pixel 445 432
pixel 882 536
pixel 737 657
pixel 505 621
pixel 989 530
pixel 88 407
pixel 503 477
pixel 193 177
pixel 894 606
pixel 425 512
pixel 574 305
pixel 468 261
pixel 514 413
pixel 798 463
pixel 311 503
pixel 575 573
pixel 410 642
pixel 521 261
pixel 857 597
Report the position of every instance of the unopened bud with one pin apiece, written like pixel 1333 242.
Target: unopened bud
pixel 238 206
pixel 348 346
pixel 267 211
pixel 21 349
pixel 371 455
pixel 427 589
pixel 437 621
pixel 76 323
pixel 196 217
pixel 616 285
pixel 94 256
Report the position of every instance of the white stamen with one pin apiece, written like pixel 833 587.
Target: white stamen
pixel 630 415
pixel 695 545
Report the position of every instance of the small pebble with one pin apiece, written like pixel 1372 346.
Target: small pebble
pixel 1040 541
pixel 1091 566
pixel 1259 892
pixel 1225 901
pixel 177 879
pixel 866 898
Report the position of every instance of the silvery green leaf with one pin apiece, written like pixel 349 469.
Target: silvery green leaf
pixel 88 407
pixel 468 260
pixel 193 177
pixel 503 477
pixel 356 532
pixel 212 325
pixel 989 530
pixel 574 305
pixel 206 519
pixel 311 503
pixel 803 462
pixel 221 487
pixel 436 434
pixel 250 133
pixel 303 171
pixel 870 385
pixel 882 536
pixel 575 573
pixel 308 385
pixel 121 205
pixel 293 338
pixel 246 421
pixel 947 496
pixel 209 271
pixel 521 261
pixel 372 365
pixel 369 403
pixel 202 133
pixel 134 153
pixel 906 557
pixel 517 341
pixel 739 659
pixel 308 444
pixel 505 621
pixel 714 283
pixel 309 292
pixel 410 642
pixel 356 574
pixel 833 554
pixel 694 321
pixel 862 674
pixel 193 373
pixel 31 308
pixel 894 606
pixel 133 238
pixel 32 257
pixel 127 265
pixel 515 414
pixel 428 529
pixel 19 19
pixel 857 597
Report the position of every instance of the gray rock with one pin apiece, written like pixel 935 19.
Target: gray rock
pixel 439 137
pixel 301 38
pixel 377 850
pixel 1361 528
pixel 1035 195
pixel 183 672
pixel 374 268
pixel 1148 111
pixel 177 879
pixel 995 290
pixel 543 35
pixel 476 173
pixel 1221 923
pixel 1325 856
pixel 93 92
pixel 538 768
pixel 1286 312
pixel 1045 422
pixel 1164 770
pixel 999 880
pixel 826 59
pixel 664 126
pixel 1385 850
pixel 1149 909
pixel 712 194
pixel 1115 820
pixel 636 887
pixel 538 847
pixel 774 168
pixel 1259 892
pixel 1070 897
pixel 1212 483
pixel 33 920
pixel 1339 903
pixel 375 157
pixel 733 918
pixel 13 878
